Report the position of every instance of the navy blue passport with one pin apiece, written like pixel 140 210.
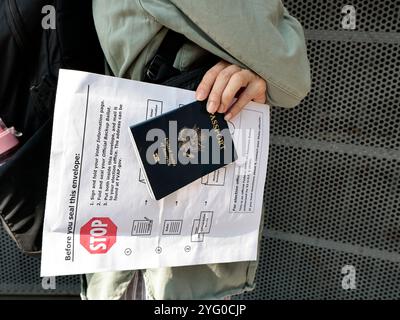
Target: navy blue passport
pixel 181 146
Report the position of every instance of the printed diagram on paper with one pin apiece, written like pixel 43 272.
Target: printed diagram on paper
pixel 99 215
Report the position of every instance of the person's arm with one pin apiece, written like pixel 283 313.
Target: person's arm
pixel 258 35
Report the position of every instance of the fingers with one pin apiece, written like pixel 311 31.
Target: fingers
pixel 214 100
pixel 206 84
pixel 222 83
pixel 255 91
pixel 236 82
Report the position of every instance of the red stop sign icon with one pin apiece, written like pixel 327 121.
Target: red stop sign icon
pixel 98 235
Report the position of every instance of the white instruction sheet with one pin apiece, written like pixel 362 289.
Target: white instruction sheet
pixel 99 215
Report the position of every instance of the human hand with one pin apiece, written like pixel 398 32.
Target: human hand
pixel 223 82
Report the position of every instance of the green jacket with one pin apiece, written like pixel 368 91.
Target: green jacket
pixel 259 35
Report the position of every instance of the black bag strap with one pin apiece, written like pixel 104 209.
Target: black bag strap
pixel 161 66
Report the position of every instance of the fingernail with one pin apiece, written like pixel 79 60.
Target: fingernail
pixel 211 106
pixel 228 117
pixel 221 109
pixel 200 95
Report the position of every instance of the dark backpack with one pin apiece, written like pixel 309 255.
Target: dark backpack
pixel 30 58
pixel 31 61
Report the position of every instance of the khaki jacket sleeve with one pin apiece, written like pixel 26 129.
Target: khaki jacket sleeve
pixel 259 35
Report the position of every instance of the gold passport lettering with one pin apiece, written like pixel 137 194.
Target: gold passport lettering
pixel 217 130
